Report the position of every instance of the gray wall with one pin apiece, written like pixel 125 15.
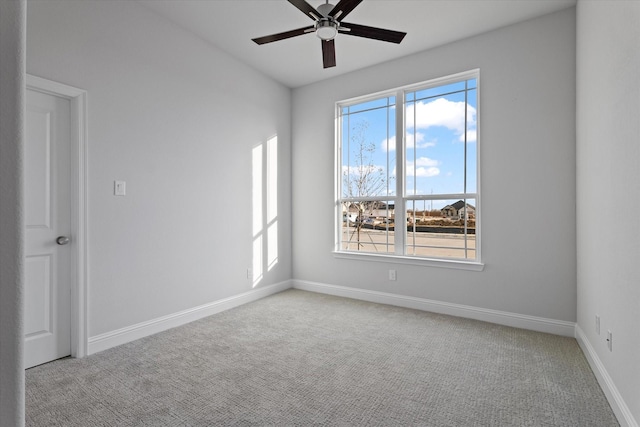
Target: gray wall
pixel 527 125
pixel 608 185
pixel 176 119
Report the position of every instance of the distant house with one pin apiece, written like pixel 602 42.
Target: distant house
pixel 457 211
pixel 382 210
pixel 351 213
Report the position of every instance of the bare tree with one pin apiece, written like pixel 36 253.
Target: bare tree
pixel 362 178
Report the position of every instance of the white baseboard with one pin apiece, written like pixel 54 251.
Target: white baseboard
pixel 620 408
pixel 131 333
pixel 540 324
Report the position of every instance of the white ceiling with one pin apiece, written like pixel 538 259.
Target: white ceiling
pixel 231 24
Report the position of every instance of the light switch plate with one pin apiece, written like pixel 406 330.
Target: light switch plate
pixel 119 188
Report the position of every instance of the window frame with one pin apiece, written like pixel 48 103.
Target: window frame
pixel 400 197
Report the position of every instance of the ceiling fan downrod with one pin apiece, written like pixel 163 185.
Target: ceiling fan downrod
pixel 326 27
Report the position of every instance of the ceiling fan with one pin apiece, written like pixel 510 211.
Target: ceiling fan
pixel 328 23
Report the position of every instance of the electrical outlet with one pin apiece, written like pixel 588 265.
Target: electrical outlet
pixel 597 324
pixel 392 275
pixel 609 340
pixel 250 273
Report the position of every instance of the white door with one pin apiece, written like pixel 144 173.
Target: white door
pixel 48 225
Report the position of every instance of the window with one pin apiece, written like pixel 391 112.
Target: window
pixel 407 175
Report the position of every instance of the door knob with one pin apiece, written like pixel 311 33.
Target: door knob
pixel 62 240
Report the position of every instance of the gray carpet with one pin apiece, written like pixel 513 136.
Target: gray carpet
pixel 300 358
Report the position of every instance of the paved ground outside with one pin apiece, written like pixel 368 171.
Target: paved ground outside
pixel 438 245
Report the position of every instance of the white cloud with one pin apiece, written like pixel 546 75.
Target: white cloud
pixel 389 144
pixel 410 142
pixel 425 161
pixel 471 136
pixel 425 172
pixel 442 112
pixel 424 167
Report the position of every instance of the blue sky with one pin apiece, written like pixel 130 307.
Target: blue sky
pixel 435 123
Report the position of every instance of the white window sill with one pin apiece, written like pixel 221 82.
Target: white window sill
pixel 396 259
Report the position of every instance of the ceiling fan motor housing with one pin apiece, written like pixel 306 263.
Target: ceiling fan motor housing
pixel 325 9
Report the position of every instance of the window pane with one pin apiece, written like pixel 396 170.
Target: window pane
pixel 441 229
pixel 439 90
pixel 370 105
pixel 368 152
pixel 368 226
pixel 439 131
pixel 472 151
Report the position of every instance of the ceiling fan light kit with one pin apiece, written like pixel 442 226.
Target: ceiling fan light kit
pixel 328 23
pixel 326 30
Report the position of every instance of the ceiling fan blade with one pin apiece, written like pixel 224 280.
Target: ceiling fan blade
pixel 343 8
pixel 282 36
pixel 372 32
pixel 306 8
pixel 328 53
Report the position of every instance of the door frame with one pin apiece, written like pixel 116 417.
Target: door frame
pixel 78 192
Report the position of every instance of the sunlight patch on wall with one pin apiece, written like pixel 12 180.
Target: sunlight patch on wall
pixel 265 208
pixel 272 202
pixel 257 214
